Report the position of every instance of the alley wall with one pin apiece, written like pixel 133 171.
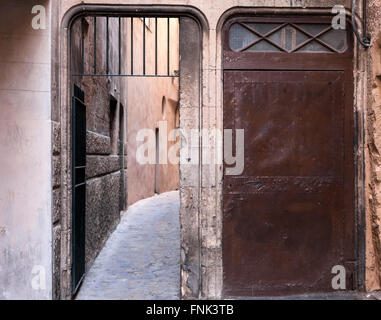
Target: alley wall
pixel 152 103
pixel 25 152
pixel 104 99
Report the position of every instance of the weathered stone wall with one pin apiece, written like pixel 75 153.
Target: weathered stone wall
pixel 104 99
pixel 371 60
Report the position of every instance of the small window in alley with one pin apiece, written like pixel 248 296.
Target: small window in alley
pixel 163 106
pixel 113 125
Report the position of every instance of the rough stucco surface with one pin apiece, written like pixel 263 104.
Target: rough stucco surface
pixel 189 173
pixel 25 149
pixel 373 125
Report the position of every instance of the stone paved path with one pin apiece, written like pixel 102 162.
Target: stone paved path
pixel 141 259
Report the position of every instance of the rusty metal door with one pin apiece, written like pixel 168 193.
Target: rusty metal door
pixel 289 218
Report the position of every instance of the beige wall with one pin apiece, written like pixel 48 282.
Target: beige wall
pixel 25 152
pixel 145 98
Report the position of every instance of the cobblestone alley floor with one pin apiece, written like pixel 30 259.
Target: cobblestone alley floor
pixel 141 259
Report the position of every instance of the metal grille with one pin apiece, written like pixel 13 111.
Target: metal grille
pixel 128 61
pixel 287 37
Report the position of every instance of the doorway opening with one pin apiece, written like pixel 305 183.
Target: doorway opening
pixel 157 157
pixel 125 68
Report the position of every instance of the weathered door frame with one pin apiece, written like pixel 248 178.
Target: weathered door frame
pixel 359 94
pixel 193 27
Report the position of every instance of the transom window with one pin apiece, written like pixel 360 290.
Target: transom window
pixel 286 37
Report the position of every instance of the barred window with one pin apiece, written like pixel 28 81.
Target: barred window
pixel 286 37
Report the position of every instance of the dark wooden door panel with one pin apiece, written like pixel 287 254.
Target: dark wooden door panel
pixel 287 217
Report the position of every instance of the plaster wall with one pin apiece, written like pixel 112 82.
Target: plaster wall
pixel 25 149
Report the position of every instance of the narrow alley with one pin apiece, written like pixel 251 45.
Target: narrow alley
pixel 141 259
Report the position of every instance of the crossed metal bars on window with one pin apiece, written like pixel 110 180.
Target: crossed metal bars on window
pixel 264 37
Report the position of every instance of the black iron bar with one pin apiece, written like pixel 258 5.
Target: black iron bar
pixel 132 46
pixel 156 46
pixel 125 75
pixel 107 47
pixel 168 53
pixel 95 44
pixel 144 46
pixel 120 46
